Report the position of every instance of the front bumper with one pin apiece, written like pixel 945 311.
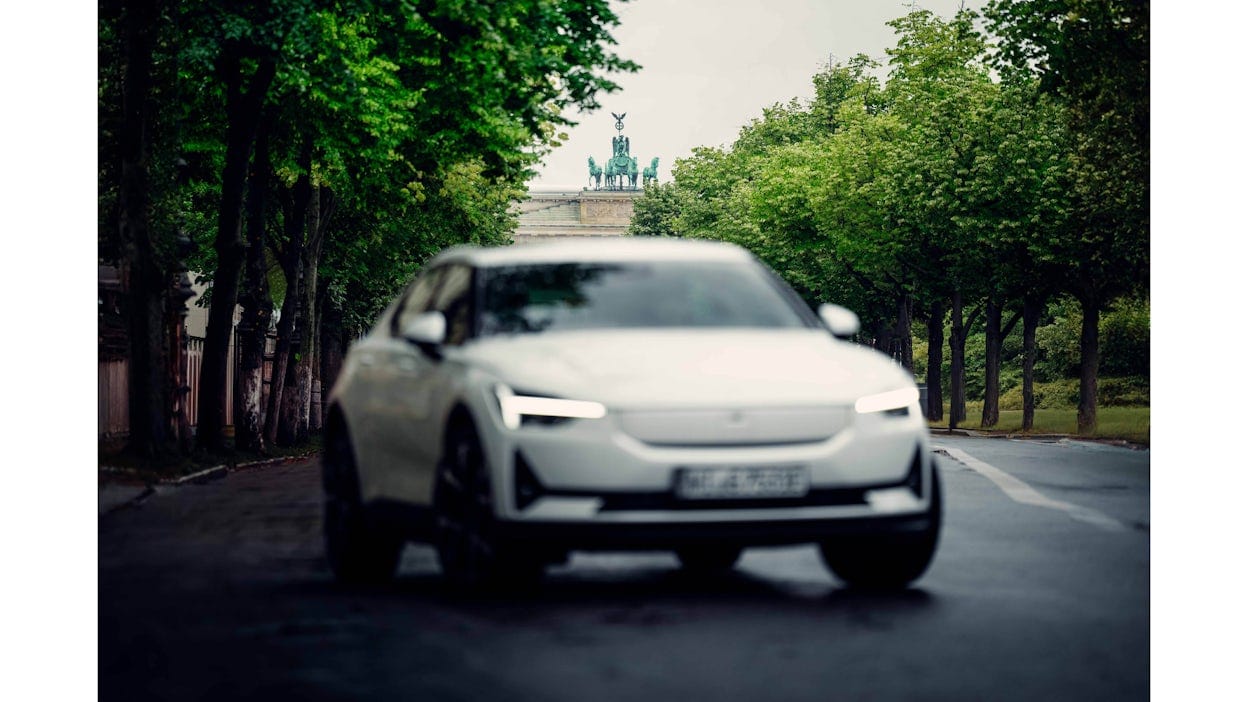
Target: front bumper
pixel 591 476
pixel 559 536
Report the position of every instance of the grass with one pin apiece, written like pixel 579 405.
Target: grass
pixel 1120 423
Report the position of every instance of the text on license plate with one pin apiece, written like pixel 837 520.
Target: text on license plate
pixel 740 482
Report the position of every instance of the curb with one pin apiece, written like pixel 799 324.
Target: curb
pixel 1034 437
pixel 205 476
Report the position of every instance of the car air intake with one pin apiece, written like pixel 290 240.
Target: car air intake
pixel 527 487
pixel 914 478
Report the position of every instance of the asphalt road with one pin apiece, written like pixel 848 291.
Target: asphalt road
pixel 1039 591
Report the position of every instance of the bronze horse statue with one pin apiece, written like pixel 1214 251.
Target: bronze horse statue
pixel 651 172
pixel 617 171
pixel 595 173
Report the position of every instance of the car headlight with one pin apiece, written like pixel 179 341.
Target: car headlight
pixel 514 408
pixel 899 399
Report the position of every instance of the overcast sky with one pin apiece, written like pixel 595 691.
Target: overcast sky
pixel 710 66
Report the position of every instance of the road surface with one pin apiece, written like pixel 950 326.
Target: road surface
pixel 1039 591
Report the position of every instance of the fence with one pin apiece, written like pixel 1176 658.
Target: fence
pixel 114 408
pixel 114 399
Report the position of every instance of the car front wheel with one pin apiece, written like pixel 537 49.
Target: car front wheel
pixel 466 535
pixel 358 550
pixel 886 561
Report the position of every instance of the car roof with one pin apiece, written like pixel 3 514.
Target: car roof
pixel 594 249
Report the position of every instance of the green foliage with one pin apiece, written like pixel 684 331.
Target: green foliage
pixel 1092 57
pixel 655 212
pixel 1124 333
pixel 1111 391
pixel 948 178
pixel 1057 342
pixel 425 119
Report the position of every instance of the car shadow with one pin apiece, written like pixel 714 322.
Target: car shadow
pixel 587 588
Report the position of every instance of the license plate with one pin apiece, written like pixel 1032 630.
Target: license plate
pixel 741 482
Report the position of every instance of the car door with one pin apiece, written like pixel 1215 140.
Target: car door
pixel 391 366
pixel 423 382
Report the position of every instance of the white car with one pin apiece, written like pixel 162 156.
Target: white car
pixel 518 403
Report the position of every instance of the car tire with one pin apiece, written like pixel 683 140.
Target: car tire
pixel 359 551
pixel 465 529
pixel 888 561
pixel 709 558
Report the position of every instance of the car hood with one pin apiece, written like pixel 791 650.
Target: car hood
pixel 657 369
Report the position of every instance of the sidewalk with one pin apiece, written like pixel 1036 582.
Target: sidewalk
pixel 119 488
pixel 116 495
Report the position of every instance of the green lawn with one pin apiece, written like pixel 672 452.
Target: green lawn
pixel 1127 423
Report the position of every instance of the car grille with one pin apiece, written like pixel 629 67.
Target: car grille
pixel 744 427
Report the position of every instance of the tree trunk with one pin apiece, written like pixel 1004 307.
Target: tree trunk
pixel 146 284
pixel 935 353
pixel 903 334
pixel 288 412
pixel 957 364
pixel 316 417
pixel 257 310
pixel 317 292
pixel 243 111
pixel 1089 361
pixel 318 208
pixel 881 336
pixel 295 215
pixel 991 413
pixel 1031 320
pixel 332 349
pixel 281 353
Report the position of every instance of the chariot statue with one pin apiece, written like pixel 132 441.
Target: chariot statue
pixel 621 168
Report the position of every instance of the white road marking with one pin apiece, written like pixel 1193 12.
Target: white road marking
pixel 1021 492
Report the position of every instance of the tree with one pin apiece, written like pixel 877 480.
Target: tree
pixel 249 43
pixel 655 213
pixel 138 229
pixel 938 90
pixel 1093 57
pixel 1023 214
pixel 430 86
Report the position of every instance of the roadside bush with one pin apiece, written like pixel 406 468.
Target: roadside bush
pixel 1125 339
pixel 1127 391
pixel 1055 394
pixel 1064 393
pixel 1124 336
pixel 1057 343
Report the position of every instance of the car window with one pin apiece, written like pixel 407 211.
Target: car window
pixel 658 294
pixel 417 300
pixel 454 300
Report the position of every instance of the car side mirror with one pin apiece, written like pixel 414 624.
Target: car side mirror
pixel 840 321
pixel 427 330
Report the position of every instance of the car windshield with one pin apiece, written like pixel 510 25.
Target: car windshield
pixel 653 294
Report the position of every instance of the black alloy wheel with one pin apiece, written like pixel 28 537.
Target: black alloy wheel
pixel 887 561
pixel 466 532
pixel 358 550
